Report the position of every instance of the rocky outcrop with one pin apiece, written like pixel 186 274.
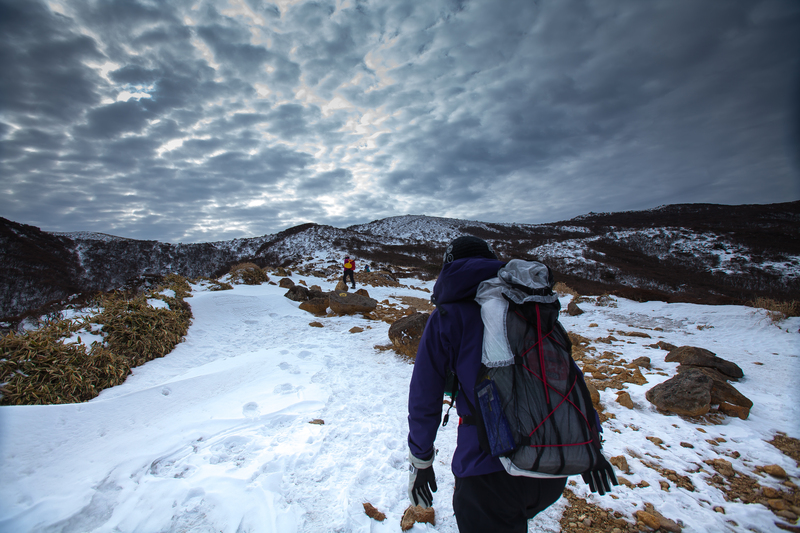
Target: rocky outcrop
pixel 406 333
pixel 687 394
pixel 345 303
pixel 693 356
pixel 702 381
pixel 721 391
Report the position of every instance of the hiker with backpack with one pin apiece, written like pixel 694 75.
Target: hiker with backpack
pixel 526 421
pixel 349 269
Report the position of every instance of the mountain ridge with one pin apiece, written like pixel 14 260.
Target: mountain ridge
pixel 703 253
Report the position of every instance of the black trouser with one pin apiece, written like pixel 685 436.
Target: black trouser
pixel 352 278
pixel 500 502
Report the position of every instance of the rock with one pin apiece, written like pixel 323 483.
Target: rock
pixel 722 391
pixel 769 492
pixel 734 410
pixel 344 303
pixel 655 440
pixel 636 377
pixel 372 512
pixel 719 509
pixel 648 519
pixel 416 514
pixel 621 463
pixel 687 445
pixel 639 334
pixel 625 482
pixel 663 523
pixel 593 393
pixel 316 306
pixel 341 286
pixel 315 288
pixel 624 399
pixel 286 283
pixel 640 362
pixel 775 471
pixel 777 504
pixel 687 394
pixel 573 309
pixel 722 466
pixel 692 355
pixel 665 346
pixel 315 325
pixel 363 292
pixel 317 422
pixel 406 333
pixel 298 293
pixel 356 329
pixel 664 485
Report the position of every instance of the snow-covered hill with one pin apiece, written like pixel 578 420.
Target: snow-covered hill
pixel 699 253
pixel 221 435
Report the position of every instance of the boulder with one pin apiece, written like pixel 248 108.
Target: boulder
pixel 692 355
pixel 341 286
pixel 722 391
pixel 315 288
pixel 298 293
pixel 687 394
pixel 573 309
pixel 344 303
pixel 316 306
pixel 406 333
pixel 363 292
pixel 286 283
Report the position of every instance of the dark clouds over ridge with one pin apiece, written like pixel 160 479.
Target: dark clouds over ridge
pixel 203 120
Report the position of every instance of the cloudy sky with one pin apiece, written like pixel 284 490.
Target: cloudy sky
pixel 202 120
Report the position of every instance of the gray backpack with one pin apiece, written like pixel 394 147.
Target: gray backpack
pixel 532 407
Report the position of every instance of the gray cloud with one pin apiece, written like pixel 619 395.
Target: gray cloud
pixel 200 121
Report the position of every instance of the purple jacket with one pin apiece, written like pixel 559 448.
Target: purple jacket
pixel 452 340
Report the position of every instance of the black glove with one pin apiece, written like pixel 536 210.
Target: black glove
pixel 421 481
pixel 601 478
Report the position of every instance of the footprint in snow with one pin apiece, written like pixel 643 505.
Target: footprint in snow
pixel 251 410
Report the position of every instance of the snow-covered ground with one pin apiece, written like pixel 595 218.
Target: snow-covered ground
pixel 216 436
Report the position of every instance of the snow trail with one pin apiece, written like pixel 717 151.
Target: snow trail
pixel 216 435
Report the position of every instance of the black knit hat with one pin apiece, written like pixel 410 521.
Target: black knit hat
pixel 468 246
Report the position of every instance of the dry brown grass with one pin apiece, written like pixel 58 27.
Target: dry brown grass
pixel 249 274
pixel 41 367
pixel 777 310
pixel 561 289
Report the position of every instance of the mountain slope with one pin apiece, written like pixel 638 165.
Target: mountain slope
pixel 691 252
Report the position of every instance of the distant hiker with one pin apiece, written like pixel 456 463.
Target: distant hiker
pixel 486 496
pixel 366 269
pixel 349 268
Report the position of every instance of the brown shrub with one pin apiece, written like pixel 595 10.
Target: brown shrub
pixel 39 367
pixel 249 274
pixel 776 309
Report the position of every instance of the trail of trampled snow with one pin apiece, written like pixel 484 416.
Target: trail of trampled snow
pixel 216 435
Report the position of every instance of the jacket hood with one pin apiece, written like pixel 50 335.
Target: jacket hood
pixel 459 280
